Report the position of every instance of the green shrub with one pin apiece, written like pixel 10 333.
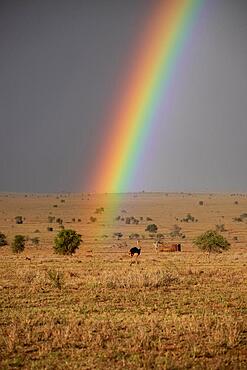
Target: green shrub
pixel 18 244
pixel 3 240
pixel 35 241
pixel 212 241
pixel 66 242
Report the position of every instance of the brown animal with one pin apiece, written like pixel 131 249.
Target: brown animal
pixel 160 247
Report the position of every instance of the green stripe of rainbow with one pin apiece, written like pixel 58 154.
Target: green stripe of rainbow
pixel 154 64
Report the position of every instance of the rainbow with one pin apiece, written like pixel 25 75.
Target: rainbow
pixel 154 64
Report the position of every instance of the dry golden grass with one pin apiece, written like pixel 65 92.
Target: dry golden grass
pixel 96 310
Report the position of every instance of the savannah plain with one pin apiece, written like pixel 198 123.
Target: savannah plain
pixel 100 309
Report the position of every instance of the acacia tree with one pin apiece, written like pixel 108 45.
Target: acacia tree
pixel 66 242
pixel 211 241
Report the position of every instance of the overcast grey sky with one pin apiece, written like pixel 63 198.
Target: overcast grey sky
pixel 61 64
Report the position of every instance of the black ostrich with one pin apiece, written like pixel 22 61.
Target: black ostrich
pixel 135 250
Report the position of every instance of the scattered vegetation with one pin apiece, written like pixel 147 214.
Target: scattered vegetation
pixel 66 242
pixel 93 219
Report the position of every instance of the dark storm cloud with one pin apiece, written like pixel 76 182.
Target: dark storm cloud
pixel 62 61
pixel 59 61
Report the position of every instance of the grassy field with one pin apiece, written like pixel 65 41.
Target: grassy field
pixel 97 310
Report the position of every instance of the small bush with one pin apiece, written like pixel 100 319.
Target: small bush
pixel 18 244
pixel 189 218
pixel 237 219
pixel 117 235
pixel 93 219
pixel 200 203
pixel 49 228
pixel 160 236
pixel 99 210
pixel 212 241
pixel 220 228
pixel 3 240
pixel 66 242
pixel 35 241
pixel 152 228
pixel 18 220
pixel 134 236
